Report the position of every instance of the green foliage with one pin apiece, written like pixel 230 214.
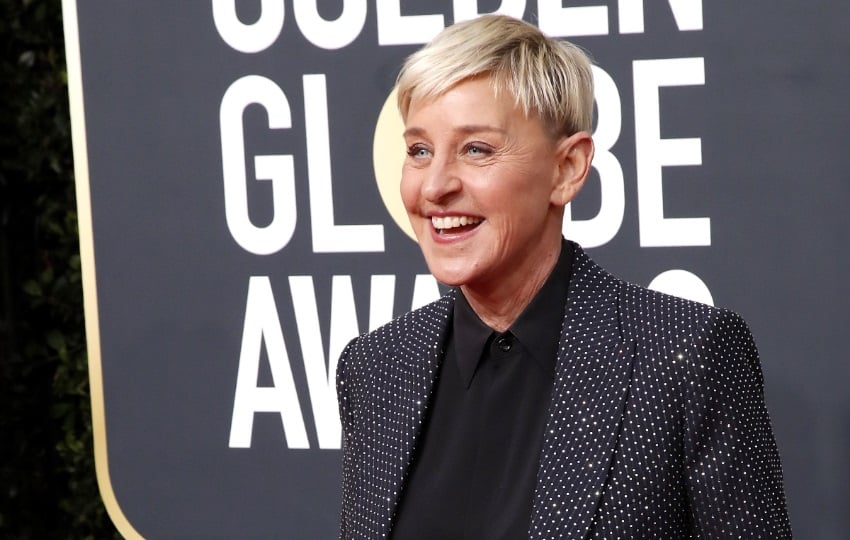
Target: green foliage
pixel 47 479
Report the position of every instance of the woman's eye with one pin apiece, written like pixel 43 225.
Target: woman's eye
pixel 417 151
pixel 476 150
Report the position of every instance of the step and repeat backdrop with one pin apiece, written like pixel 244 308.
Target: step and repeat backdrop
pixel 238 165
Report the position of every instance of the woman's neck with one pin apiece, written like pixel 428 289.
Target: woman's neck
pixel 499 304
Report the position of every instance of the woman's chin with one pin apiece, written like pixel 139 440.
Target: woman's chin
pixel 453 277
pixel 449 279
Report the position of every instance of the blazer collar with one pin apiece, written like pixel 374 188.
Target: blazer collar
pixel 410 372
pixel 592 378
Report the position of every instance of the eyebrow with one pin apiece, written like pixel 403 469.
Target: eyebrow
pixel 466 130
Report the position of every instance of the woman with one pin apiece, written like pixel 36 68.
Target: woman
pixel 541 397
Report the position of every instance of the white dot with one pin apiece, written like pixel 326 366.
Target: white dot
pixel 683 284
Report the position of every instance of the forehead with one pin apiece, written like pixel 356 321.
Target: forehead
pixel 471 102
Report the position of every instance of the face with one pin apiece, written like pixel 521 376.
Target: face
pixel 483 186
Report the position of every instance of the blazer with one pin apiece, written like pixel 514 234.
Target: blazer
pixel 657 426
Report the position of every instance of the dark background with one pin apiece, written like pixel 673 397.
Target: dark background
pixel 47 482
pixel 171 283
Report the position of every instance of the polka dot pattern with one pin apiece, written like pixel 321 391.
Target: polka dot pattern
pixel 657 426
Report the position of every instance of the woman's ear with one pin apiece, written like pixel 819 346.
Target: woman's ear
pixel 574 154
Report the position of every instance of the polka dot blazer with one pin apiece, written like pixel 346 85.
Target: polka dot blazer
pixel 657 426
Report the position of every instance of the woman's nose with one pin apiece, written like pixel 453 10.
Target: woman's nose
pixel 441 181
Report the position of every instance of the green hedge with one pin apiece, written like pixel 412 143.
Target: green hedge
pixel 47 479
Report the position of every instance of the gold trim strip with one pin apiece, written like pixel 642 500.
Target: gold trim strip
pixel 84 217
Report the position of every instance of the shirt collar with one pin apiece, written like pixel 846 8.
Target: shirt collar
pixel 470 336
pixel 537 329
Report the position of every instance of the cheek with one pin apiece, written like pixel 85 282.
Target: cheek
pixel 507 201
pixel 517 206
pixel 409 190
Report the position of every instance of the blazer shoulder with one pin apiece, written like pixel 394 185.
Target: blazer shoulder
pixel 414 332
pixel 667 327
pixel 425 320
pixel 650 318
pixel 688 340
pixel 648 311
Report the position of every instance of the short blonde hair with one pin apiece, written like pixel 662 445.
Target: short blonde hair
pixel 546 76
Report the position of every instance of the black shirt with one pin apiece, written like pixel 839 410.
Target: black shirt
pixel 475 467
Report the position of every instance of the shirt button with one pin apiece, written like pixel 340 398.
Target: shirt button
pixel 504 343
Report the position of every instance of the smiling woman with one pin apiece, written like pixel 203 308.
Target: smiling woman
pixel 492 173
pixel 521 402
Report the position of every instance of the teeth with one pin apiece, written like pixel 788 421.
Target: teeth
pixel 450 222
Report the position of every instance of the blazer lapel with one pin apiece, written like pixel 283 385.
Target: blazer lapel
pixel 410 369
pixel 592 379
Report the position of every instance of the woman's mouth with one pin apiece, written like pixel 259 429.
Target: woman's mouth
pixel 454 224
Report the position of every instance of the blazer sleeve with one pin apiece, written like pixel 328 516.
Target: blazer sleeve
pixel 732 463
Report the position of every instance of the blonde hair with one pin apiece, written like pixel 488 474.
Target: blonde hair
pixel 546 76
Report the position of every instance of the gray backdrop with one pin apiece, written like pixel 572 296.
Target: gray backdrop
pixel 176 318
